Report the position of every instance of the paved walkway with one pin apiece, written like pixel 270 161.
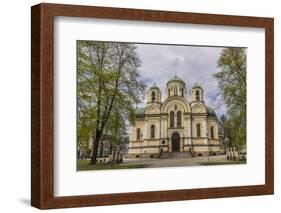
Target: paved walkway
pixel 156 162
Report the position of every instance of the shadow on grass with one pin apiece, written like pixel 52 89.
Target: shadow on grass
pixel 84 165
pixel 223 163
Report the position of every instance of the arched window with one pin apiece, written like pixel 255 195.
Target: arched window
pixel 198 129
pixel 172 117
pixel 169 92
pixel 197 95
pixel 153 96
pixel 152 131
pixel 182 92
pixel 212 132
pixel 179 119
pixel 138 133
pixel 176 91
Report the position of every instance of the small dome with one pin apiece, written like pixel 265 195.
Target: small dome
pixel 196 85
pixel 175 79
pixel 154 86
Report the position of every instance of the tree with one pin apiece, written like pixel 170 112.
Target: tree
pixel 231 78
pixel 225 129
pixel 107 78
pixel 117 129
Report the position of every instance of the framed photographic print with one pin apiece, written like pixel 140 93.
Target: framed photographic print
pixel 135 106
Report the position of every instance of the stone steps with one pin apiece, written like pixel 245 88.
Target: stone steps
pixel 174 155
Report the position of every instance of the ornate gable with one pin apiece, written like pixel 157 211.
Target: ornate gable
pixel 199 108
pixel 152 110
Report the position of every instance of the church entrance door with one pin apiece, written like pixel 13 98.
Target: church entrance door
pixel 176 142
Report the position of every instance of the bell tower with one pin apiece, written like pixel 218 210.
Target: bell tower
pixel 197 93
pixel 154 94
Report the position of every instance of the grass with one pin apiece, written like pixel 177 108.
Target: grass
pixel 84 165
pixel 223 163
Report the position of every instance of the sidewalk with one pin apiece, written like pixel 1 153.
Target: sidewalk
pixel 156 162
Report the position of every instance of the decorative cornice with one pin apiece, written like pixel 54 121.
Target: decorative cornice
pixel 150 146
pixel 206 145
pixel 185 145
pixel 152 115
pixel 175 128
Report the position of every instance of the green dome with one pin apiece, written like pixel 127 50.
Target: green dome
pixel 196 85
pixel 210 111
pixel 139 111
pixel 175 79
pixel 154 86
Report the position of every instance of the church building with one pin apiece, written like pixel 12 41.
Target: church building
pixel 175 125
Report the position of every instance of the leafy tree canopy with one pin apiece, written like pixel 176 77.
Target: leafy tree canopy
pixel 231 77
pixel 108 88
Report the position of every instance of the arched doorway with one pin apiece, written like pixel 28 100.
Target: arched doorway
pixel 176 142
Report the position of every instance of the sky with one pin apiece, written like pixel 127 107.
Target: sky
pixel 193 64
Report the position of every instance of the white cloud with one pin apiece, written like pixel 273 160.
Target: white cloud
pixel 191 63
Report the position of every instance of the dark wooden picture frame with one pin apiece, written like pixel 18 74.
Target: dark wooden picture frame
pixel 42 90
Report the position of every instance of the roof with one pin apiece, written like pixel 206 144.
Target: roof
pixel 139 111
pixel 175 78
pixel 211 112
pixel 196 85
pixel 154 86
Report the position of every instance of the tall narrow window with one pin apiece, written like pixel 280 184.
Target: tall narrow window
pixel 197 95
pixel 198 128
pixel 179 119
pixel 172 116
pixel 169 92
pixel 182 92
pixel 153 96
pixel 212 132
pixel 152 133
pixel 176 91
pixel 138 133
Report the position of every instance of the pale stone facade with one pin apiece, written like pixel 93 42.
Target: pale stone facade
pixel 174 125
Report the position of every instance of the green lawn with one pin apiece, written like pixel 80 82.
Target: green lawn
pixel 223 163
pixel 84 165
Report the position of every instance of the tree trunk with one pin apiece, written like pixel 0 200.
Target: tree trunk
pixel 95 148
pixel 117 157
pixel 101 150
pixel 114 156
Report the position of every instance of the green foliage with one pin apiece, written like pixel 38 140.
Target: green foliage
pixel 231 78
pixel 108 87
